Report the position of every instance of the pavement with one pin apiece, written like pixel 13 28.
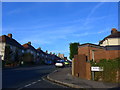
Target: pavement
pixel 63 76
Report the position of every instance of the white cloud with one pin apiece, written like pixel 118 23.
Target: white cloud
pixel 34 41
pixel 89 19
pixel 95 8
pixel 92 33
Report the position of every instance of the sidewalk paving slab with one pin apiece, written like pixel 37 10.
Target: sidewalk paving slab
pixel 63 76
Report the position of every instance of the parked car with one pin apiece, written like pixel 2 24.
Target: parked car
pixel 48 62
pixel 66 63
pixel 59 64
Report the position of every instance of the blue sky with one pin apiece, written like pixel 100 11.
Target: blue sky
pixel 52 26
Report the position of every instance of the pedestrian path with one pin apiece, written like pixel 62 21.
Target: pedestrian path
pixel 63 76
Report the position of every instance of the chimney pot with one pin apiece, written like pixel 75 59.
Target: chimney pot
pixel 51 53
pixel 10 35
pixel 46 51
pixel 29 43
pixel 114 30
pixel 39 48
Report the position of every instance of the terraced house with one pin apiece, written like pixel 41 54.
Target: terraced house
pixel 11 51
pixel 49 58
pixel 30 55
pixel 42 56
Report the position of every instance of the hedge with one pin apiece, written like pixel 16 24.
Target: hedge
pixel 111 67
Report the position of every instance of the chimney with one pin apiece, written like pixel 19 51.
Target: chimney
pixel 39 48
pixel 29 43
pixel 10 35
pixel 99 42
pixel 50 53
pixel 46 51
pixel 113 31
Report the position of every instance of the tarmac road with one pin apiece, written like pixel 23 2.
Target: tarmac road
pixel 28 77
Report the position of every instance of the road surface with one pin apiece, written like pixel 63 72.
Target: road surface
pixel 28 77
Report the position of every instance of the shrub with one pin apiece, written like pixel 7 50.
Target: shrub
pixel 110 68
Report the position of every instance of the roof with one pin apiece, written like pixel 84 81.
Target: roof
pixel 91 45
pixel 28 46
pixel 88 44
pixel 114 35
pixel 10 41
pixel 112 47
pixel 40 51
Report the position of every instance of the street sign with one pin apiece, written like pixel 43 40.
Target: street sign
pixel 96 68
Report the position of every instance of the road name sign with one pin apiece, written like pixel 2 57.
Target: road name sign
pixel 96 68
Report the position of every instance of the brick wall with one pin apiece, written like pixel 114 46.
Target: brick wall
pixel 111 54
pixel 107 54
pixel 81 67
pixel 99 53
pixel 88 51
pixel 84 50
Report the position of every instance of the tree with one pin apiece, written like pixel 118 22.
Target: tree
pixel 73 49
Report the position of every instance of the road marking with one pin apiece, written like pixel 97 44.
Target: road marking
pixel 39 80
pixel 27 85
pixel 34 82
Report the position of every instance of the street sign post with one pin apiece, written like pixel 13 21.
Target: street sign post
pixel 94 69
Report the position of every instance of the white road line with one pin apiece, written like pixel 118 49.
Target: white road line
pixel 20 88
pixel 27 85
pixel 34 82
pixel 39 80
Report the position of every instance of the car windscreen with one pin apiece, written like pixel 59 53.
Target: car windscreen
pixel 59 61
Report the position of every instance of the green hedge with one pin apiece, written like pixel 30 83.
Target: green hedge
pixel 110 69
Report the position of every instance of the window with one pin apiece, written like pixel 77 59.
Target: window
pixel 31 52
pixel 37 53
pixel 11 47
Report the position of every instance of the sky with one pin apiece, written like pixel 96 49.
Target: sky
pixel 54 25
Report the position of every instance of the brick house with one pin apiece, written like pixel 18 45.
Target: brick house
pixel 108 48
pixel 111 40
pixel 56 58
pixel 10 49
pixel 30 51
pixel 53 57
pixel 49 58
pixel 61 55
pixel 42 55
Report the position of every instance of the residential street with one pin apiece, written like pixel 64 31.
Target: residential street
pixel 28 77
